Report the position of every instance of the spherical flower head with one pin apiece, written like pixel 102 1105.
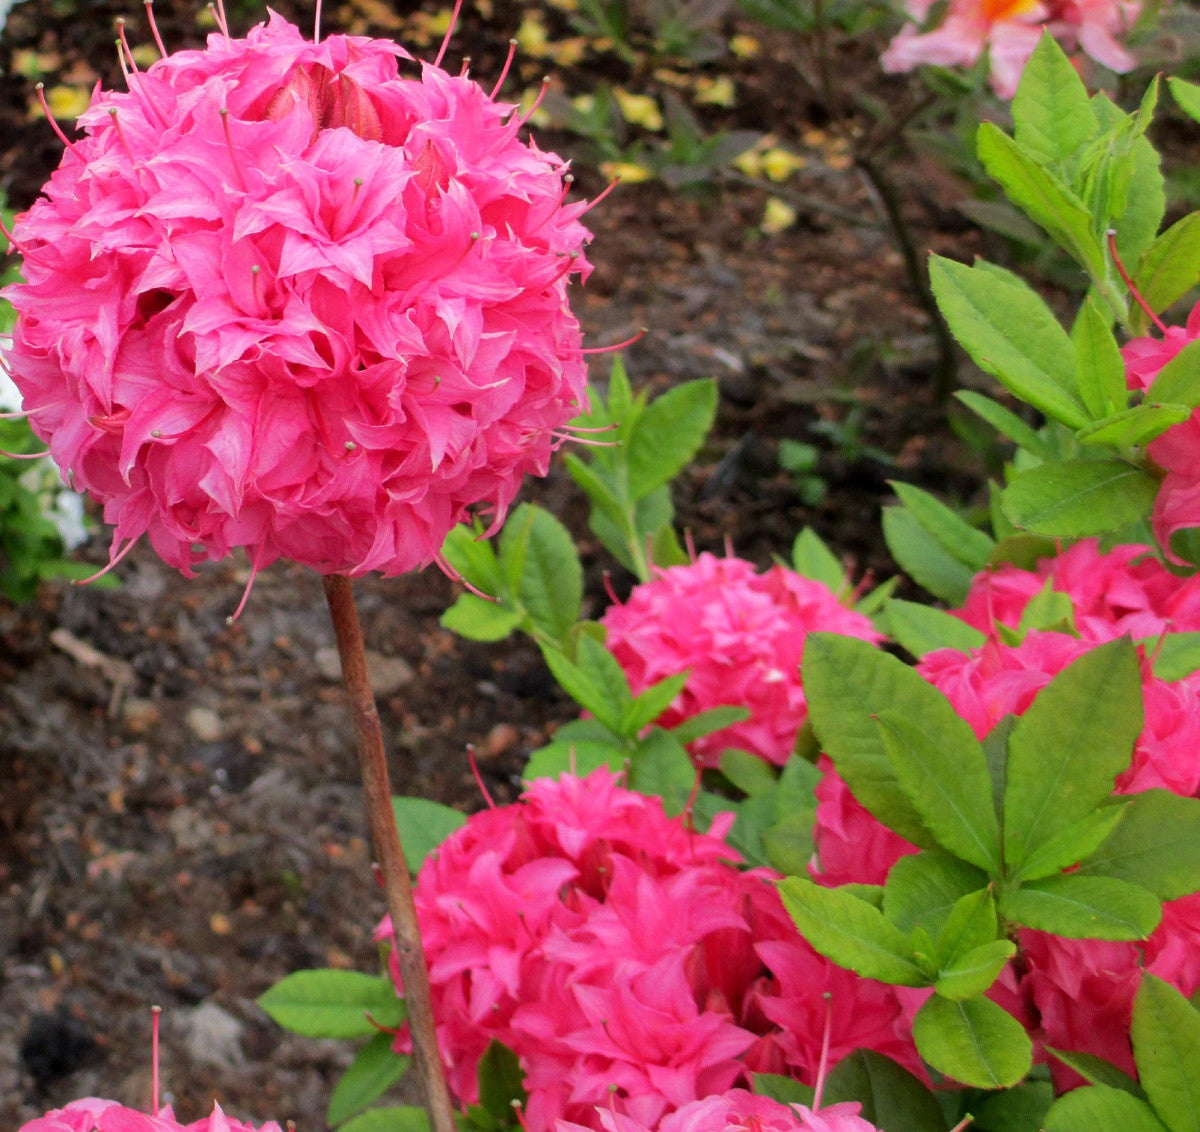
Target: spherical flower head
pixel 95 1115
pixel 740 635
pixel 1123 591
pixel 282 298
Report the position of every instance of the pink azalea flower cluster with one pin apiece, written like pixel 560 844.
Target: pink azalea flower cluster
pixel 625 960
pixel 280 297
pixel 1176 451
pixel 95 1115
pixel 736 1110
pixel 740 634
pixel 1008 30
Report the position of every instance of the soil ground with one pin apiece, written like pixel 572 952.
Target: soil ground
pixel 180 822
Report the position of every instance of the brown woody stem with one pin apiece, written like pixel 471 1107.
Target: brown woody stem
pixel 385 837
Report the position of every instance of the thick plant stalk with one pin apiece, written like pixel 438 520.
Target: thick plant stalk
pixel 385 838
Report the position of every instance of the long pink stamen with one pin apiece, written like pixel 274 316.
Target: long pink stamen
pixel 255 566
pixel 823 1065
pixel 520 121
pixel 962 1124
pixel 111 563
pixel 12 240
pixel 619 345
pixel 41 93
pixel 599 428
pixel 601 195
pixel 218 14
pixel 449 32
pixel 317 23
pixel 158 40
pixel 1133 291
pixel 440 561
pixel 508 62
pixel 122 41
pixel 479 777
pixel 224 112
pixel 608 588
pixel 24 455
pixel 129 69
pixel 465 70
pixel 116 121
pixel 155 1011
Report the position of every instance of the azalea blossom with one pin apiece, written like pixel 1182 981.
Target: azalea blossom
pixel 281 297
pixel 739 635
pixel 95 1115
pixel 1008 31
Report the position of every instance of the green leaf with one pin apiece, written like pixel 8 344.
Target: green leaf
pixel 1083 907
pixel 581 685
pixel 1019 1109
pixel 473 557
pixel 579 757
pixel 1010 333
pixel 423 826
pixel 1145 201
pixel 847 682
pixel 748 772
pixel 811 558
pixel 543 570
pixel 1187 95
pixel 1077 498
pixel 403 1118
pixel 1072 844
pixel 1053 116
pixel 851 932
pixel 923 889
pixel 668 434
pixel 375 1069
pixel 1048 609
pixel 971 974
pixel 943 771
pixel 1133 427
pixel 1156 846
pixel 1171 266
pixel 922 559
pixel 652 703
pixel 480 620
pixel 1178 382
pixel 1176 655
pixel 706 722
pixel 1166 1048
pixel 973 1040
pixel 953 534
pixel 890 1096
pixel 1096 1071
pixel 1099 367
pixel 786 1090
pixel 1005 422
pixel 972 923
pixel 1101 1107
pixel 333 1004
pixel 1044 198
pixel 501 1081
pixel 660 766
pixel 1069 746
pixel 921 628
pixel 601 493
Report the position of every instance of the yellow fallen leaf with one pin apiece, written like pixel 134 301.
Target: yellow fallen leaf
pixel 532 38
pixel 628 171
pixel 749 163
pixel 639 109
pixel 778 216
pixel 568 52
pixel 716 92
pixel 779 164
pixel 66 101
pixel 744 46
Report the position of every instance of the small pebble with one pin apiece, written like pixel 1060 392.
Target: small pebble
pixel 205 724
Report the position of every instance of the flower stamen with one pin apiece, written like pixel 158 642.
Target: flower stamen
pixel 449 32
pixel 508 62
pixel 58 131
pixel 158 40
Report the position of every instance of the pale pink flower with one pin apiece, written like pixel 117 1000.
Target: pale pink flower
pixel 740 635
pixel 281 298
pixel 1008 31
pixel 95 1115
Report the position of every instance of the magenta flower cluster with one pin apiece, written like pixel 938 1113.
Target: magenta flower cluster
pixel 94 1115
pixel 740 636
pixel 1079 991
pixel 611 948
pixel 281 298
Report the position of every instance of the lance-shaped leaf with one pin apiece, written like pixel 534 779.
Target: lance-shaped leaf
pixel 1078 498
pixel 1005 422
pixel 375 1069
pixel 1010 333
pixel 424 825
pixel 1178 382
pixel 542 568
pixel 668 434
pixel 1171 266
pixel 1084 907
pixel 1187 95
pixel 965 543
pixel 847 682
pixel 890 1096
pixel 925 561
pixel 945 776
pixel 1053 117
pixel 969 975
pixel 1156 846
pixel 921 628
pixel 1100 369
pixel 924 888
pixel 1176 655
pixel 851 932
pixel 1166 1048
pixel 1136 426
pixel 1073 844
pixel 1069 746
pixel 812 558
pixel 974 1041
pixel 333 1004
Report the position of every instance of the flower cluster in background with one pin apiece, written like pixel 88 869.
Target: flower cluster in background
pixel 1008 31
pixel 280 298
pixel 94 1115
pixel 740 636
pixel 610 947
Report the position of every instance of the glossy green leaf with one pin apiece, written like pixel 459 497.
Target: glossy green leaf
pixel 1101 1107
pixel 1077 498
pixel 1176 655
pixel 786 1090
pixel 580 685
pixel 1136 426
pixel 1178 382
pixel 706 722
pixel 922 628
pixel 1011 333
pixel 951 532
pixel 1083 907
pixel 668 433
pixel 1069 746
pixel 1019 1109
pixel 923 889
pixel 333 1004
pixel 1073 844
pixel 1170 267
pixel 972 974
pixel 890 1096
pixel 1099 368
pixel 423 825
pixel 1051 111
pixel 1096 1071
pixel 402 1118
pixel 1156 846
pixel 648 706
pixel 973 1040
pixel 660 766
pixel 375 1069
pixel 812 558
pixel 972 923
pixel 1166 1048
pixel 1005 422
pixel 542 568
pixel 922 559
pixel 851 932
pixel 581 757
pixel 480 620
pixel 501 1081
pixel 473 557
pixel 1187 95
pixel 943 771
pixel 847 682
